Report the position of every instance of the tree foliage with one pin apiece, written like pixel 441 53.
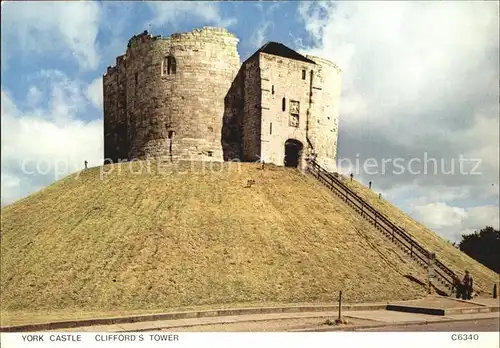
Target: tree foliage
pixel 483 246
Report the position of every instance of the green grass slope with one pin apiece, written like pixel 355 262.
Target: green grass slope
pixel 484 278
pixel 191 237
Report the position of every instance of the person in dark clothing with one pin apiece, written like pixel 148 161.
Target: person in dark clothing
pixel 467 286
pixel 458 287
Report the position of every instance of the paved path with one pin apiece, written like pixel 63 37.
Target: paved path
pixel 392 316
pixel 439 302
pixel 480 325
pixel 401 317
pixel 276 325
pixel 476 325
pixel 486 301
pixel 355 323
pixel 297 321
pixel 283 322
pixel 172 325
pixel 388 321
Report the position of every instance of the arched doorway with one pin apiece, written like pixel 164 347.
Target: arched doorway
pixel 293 153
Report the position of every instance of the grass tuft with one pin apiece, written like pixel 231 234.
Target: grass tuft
pixel 190 236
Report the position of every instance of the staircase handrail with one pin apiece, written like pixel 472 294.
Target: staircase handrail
pixel 394 228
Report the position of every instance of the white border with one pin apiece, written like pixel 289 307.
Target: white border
pixel 253 340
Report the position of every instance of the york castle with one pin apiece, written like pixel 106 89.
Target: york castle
pixel 187 96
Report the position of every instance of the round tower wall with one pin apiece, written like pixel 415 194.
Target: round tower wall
pixel 323 125
pixel 179 114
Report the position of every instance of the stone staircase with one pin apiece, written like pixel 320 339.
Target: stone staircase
pixel 443 277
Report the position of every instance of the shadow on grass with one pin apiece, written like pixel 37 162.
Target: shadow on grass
pixel 413 279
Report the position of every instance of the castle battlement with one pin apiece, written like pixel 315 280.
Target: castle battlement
pixel 324 61
pixel 110 70
pixel 187 96
pixel 145 36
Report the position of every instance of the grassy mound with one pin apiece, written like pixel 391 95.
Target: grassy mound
pixel 484 278
pixel 190 235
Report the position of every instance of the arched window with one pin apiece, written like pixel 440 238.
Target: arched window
pixel 169 65
pixel 283 104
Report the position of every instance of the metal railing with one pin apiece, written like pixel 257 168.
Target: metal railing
pixel 381 222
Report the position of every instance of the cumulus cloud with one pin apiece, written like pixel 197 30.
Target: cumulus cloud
pixel 478 217
pixel 39 28
pixel 421 68
pixel 262 30
pixel 451 222
pixel 439 215
pixel 42 143
pixel 420 81
pixel 95 93
pixel 172 12
pixel 259 36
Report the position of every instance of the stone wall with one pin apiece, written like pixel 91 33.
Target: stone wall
pixel 284 81
pixel 211 108
pixel 115 111
pixel 110 97
pixel 232 132
pixel 171 114
pixel 324 116
pixel 298 101
pixel 251 110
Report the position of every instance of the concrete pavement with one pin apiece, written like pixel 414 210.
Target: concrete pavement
pixel 388 319
pixel 478 325
pixel 196 322
pixel 356 320
pixel 269 318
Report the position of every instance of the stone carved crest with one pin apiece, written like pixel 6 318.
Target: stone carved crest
pixel 294 113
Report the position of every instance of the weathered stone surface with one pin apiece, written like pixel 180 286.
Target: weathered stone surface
pixel 149 112
pixel 204 108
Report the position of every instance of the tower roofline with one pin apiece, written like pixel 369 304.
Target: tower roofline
pixel 280 50
pixel 324 61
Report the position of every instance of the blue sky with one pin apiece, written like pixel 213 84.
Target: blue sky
pixel 418 78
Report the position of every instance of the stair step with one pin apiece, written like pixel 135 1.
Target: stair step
pixel 338 187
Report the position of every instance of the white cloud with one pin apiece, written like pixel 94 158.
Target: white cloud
pixel 41 144
pixel 259 36
pixel 95 93
pixel 262 29
pixel 34 96
pixel 172 12
pixel 439 215
pixel 418 77
pixel 62 28
pixel 451 222
pixel 480 217
pixel 482 134
pixel 401 54
pixel 9 181
pixel 421 195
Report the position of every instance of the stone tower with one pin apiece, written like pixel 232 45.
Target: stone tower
pixel 284 108
pixel 187 97
pixel 165 96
